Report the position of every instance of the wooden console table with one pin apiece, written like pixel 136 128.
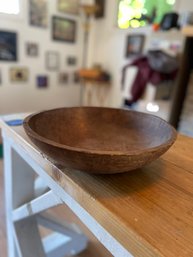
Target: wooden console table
pixel 96 93
pixel 147 212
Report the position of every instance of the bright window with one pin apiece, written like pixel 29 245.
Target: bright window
pixel 139 13
pixel 10 6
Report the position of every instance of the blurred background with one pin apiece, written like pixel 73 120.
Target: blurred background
pixel 131 54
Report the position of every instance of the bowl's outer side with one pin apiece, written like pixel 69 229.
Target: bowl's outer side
pixel 98 163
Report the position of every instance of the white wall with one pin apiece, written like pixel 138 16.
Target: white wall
pixel 26 97
pixel 108 49
pixel 184 6
pixel 109 45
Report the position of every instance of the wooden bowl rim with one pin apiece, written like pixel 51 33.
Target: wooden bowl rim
pixel 36 136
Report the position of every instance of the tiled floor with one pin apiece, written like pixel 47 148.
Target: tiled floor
pixel 95 249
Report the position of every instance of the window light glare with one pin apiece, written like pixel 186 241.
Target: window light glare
pixel 171 2
pixel 152 107
pixel 140 10
pixel 9 6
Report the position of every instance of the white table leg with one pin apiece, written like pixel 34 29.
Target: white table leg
pixel 8 200
pixel 19 186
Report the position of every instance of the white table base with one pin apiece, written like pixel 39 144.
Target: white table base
pixel 24 207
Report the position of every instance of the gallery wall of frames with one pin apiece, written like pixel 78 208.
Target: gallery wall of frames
pixel 40 53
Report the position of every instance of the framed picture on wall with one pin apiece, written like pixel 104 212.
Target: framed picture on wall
pixel 52 60
pixel 8 46
pixel 38 13
pixel 63 29
pixel 32 49
pixel 63 78
pixel 19 74
pixel 71 60
pixel 68 6
pixel 134 44
pixel 42 81
pixel 75 77
pixel 101 9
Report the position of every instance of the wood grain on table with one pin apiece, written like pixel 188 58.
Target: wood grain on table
pixel 149 211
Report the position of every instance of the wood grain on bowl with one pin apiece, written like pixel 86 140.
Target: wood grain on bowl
pixel 99 140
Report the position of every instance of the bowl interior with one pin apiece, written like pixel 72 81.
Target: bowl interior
pixel 101 129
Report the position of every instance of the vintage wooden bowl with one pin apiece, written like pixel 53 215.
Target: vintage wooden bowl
pixel 99 140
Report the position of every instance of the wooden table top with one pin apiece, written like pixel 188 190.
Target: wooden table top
pixel 188 31
pixel 149 211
